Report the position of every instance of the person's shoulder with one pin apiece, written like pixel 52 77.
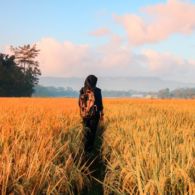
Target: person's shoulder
pixel 98 89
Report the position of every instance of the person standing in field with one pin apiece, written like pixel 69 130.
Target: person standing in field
pixel 91 110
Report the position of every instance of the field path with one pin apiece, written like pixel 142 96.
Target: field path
pixel 97 167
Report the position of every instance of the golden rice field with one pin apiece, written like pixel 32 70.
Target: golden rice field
pixel 148 147
pixel 40 147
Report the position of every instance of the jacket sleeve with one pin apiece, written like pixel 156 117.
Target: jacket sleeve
pixel 100 101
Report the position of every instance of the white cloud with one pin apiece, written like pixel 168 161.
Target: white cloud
pixel 111 59
pixel 100 32
pixel 63 59
pixel 69 59
pixel 168 65
pixel 159 22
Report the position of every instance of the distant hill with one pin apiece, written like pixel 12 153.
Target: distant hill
pixel 116 83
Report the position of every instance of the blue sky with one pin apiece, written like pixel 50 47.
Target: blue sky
pixel 74 22
pixel 25 21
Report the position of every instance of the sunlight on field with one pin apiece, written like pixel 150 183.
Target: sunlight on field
pixel 40 140
pixel 148 146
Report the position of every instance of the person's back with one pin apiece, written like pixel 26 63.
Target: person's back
pixel 91 121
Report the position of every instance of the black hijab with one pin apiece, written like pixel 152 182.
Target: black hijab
pixel 90 82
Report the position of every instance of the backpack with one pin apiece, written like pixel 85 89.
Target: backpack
pixel 87 104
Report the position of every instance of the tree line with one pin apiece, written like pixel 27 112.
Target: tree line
pixel 19 72
pixel 177 93
pixel 42 91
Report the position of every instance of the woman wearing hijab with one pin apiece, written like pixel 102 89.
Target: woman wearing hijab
pixel 91 122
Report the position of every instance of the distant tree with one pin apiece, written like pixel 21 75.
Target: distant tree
pixel 41 91
pixel 25 55
pixel 19 72
pixel 164 93
pixel 184 93
pixel 11 77
pixel 26 59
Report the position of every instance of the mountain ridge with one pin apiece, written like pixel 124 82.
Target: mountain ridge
pixel 116 83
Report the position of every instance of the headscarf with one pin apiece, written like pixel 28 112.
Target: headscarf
pixel 90 82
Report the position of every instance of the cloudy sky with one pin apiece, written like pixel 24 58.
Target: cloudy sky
pixel 107 38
